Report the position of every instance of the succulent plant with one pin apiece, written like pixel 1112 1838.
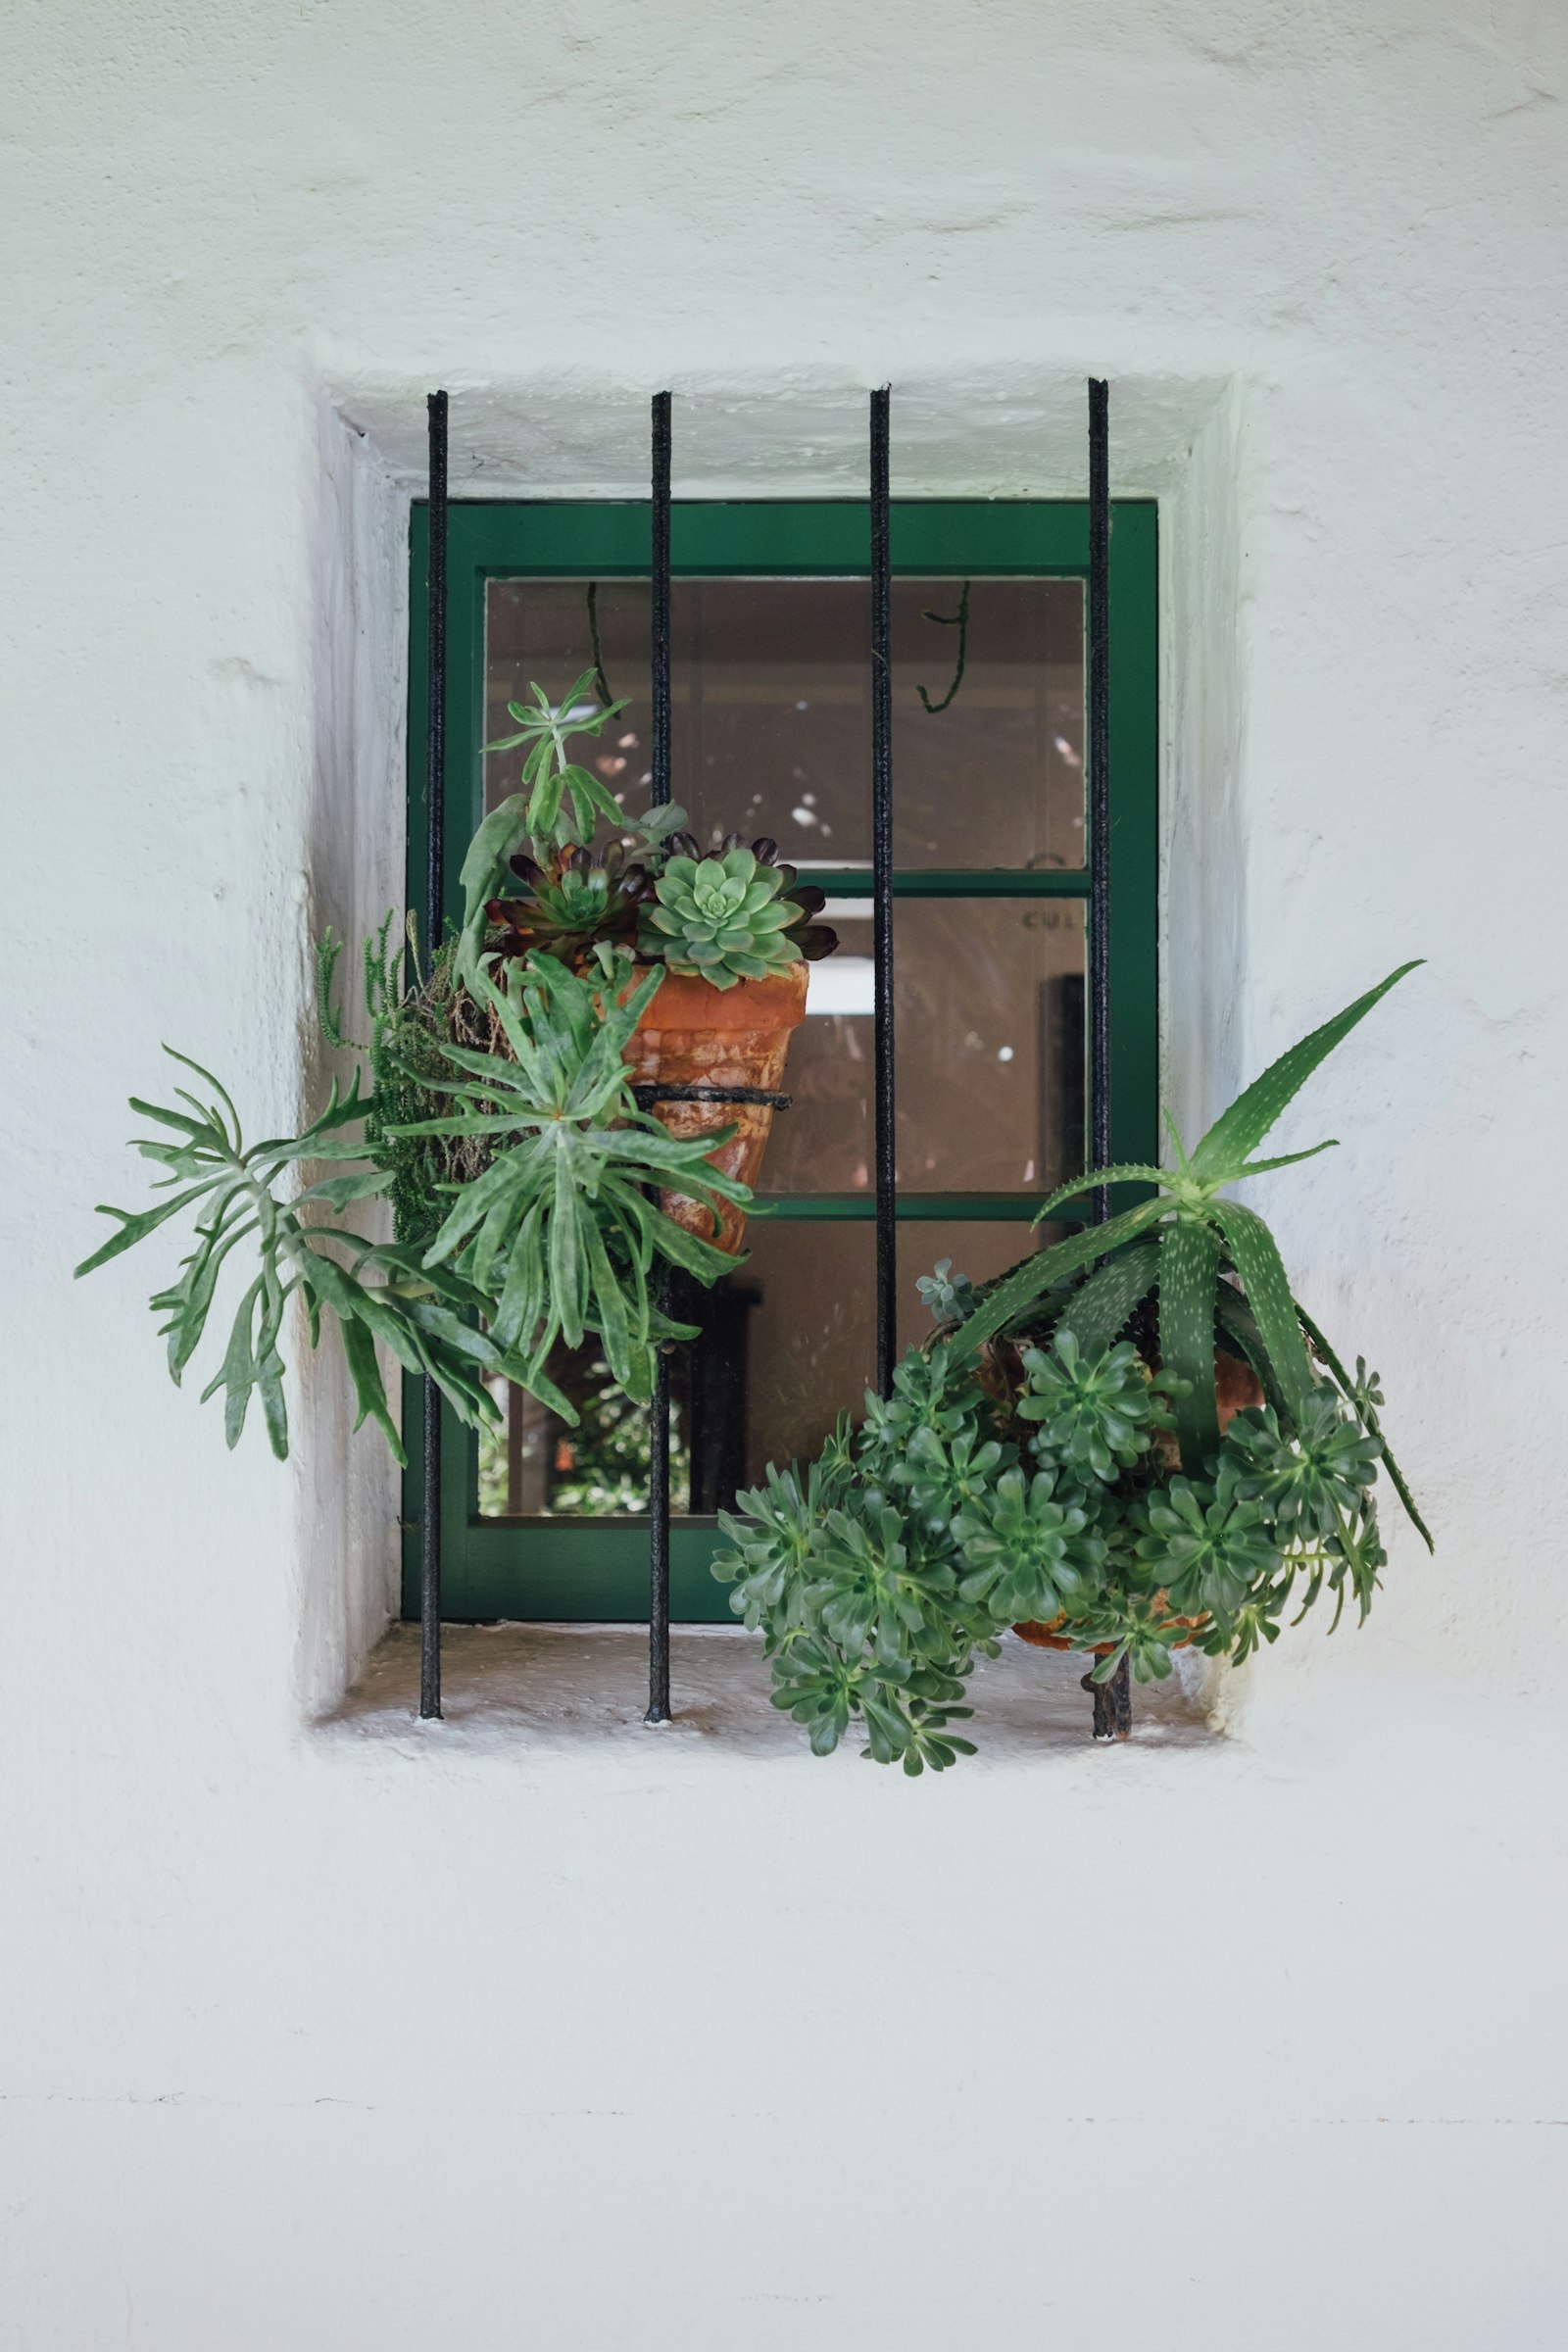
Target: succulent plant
pixel 727 917
pixel 566 801
pixel 572 901
pixel 902 1554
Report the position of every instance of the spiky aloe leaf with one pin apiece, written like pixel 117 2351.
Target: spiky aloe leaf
pixel 1268 1293
pixel 1240 1326
pixel 1124 1172
pixel 1238 1131
pixel 1396 1475
pixel 1099 1313
pixel 1189 1269
pixel 1023 1286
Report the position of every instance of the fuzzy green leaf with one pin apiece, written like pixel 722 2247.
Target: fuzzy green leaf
pixel 136 1228
pixel 358 1352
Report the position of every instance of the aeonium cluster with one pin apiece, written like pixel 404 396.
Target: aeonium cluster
pixel 1072 1454
pixel 880 1575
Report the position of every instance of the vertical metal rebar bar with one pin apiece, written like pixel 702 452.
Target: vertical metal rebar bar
pixel 887 1231
pixel 1099 811
pixel 659 1410
pixel 435 802
pixel 1113 1700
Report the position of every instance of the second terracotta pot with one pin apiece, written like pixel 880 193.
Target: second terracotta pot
pixel 694 1033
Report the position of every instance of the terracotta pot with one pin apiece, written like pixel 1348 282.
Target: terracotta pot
pixel 1235 1388
pixel 1045 1636
pixel 694 1033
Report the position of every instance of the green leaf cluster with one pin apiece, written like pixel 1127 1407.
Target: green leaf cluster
pixel 565 802
pixel 292 1246
pixel 561 1233
pixel 556 1236
pixel 1036 1464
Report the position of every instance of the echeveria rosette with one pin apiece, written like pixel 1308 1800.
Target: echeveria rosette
pixel 948 1297
pixel 1097 1413
pixel 1205 1548
pixel 728 916
pixel 1314 1480
pixel 1029 1551
pixel 934 1477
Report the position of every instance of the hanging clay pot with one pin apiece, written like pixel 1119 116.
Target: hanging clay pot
pixel 694 1033
pixel 1235 1389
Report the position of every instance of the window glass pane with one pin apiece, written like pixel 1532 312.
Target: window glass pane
pixel 771 723
pixel 989 1041
pixel 789 1343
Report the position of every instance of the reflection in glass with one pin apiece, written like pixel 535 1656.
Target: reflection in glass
pixel 989 998
pixel 771 731
pixel 788 1345
pixel 771 710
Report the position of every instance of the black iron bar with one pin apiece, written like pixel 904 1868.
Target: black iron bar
pixel 658 617
pixel 659 1408
pixel 1099 811
pixel 648 1096
pixel 887 1231
pixel 1113 1703
pixel 435 810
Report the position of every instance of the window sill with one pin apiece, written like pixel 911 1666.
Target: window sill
pixel 548 1687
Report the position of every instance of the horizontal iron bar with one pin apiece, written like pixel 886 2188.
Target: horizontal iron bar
pixel 646 1095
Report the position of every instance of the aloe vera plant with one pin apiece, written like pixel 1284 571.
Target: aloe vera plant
pixel 1036 1464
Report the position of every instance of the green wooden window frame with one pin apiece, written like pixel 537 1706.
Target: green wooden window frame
pixel 598 1570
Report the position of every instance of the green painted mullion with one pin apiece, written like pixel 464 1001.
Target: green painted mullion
pixel 954 882
pixel 913 1208
pixel 1134 834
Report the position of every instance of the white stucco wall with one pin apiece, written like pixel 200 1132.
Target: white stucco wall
pixel 364 2044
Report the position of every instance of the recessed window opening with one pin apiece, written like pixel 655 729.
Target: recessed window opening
pixel 771 723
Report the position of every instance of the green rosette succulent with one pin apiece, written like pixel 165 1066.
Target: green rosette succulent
pixel 722 918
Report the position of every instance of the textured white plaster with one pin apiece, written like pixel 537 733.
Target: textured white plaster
pixel 365 2037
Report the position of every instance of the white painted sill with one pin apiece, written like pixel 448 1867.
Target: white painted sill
pixel 550 1688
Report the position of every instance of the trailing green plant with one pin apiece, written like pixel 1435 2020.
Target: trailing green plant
pixel 552 1237
pixel 427 1318
pixel 412 1016
pixel 1033 1464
